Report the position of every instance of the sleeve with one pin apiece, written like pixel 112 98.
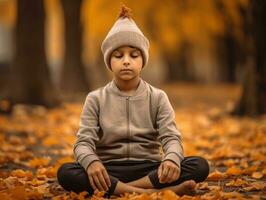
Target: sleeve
pixel 169 135
pixel 87 136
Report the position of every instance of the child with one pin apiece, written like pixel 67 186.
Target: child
pixel 123 125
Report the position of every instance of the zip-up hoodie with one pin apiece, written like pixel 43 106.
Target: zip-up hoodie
pixel 116 127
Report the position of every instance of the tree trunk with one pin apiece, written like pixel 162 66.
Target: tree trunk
pixel 178 65
pixel 30 81
pixel 73 77
pixel 226 46
pixel 253 99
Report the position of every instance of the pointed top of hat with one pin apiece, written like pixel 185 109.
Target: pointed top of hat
pixel 125 12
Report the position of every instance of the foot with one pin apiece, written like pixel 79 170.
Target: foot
pixel 185 188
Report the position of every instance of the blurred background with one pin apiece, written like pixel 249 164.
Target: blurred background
pixel 50 50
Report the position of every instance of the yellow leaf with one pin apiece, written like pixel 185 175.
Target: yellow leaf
pixel 257 175
pixel 21 174
pixel 231 195
pixel 238 182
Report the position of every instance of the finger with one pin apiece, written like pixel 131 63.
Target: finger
pixel 102 181
pixel 176 176
pixel 160 171
pixel 92 183
pixel 97 183
pixel 96 191
pixel 164 174
pixel 170 176
pixel 178 173
pixel 107 178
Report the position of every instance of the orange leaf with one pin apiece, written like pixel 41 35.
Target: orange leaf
pixel 21 174
pixel 203 186
pixel 36 182
pixel 34 194
pixel 51 141
pixel 216 175
pixel 37 162
pixel 49 172
pixel 18 192
pixel 250 170
pixel 234 171
pixel 257 175
pixel 168 194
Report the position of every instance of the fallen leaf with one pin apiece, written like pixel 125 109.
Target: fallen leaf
pixel 168 194
pixel 255 186
pixel 257 175
pixel 216 175
pixel 250 170
pixel 39 162
pixel 234 171
pixel 238 182
pixel 203 186
pixel 22 174
pixel 231 195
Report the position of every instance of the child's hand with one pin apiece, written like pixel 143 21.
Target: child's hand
pixel 168 172
pixel 98 176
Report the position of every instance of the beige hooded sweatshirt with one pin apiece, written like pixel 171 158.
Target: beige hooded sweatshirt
pixel 116 127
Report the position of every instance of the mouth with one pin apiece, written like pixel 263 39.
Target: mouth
pixel 126 70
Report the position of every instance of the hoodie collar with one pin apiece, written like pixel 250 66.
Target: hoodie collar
pixel 138 92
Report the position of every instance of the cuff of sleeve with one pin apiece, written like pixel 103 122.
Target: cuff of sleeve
pixel 85 162
pixel 174 158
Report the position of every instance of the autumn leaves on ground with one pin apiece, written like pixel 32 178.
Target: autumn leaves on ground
pixel 36 141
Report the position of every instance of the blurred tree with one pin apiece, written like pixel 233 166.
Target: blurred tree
pixel 30 81
pixel 226 45
pixel 73 77
pixel 253 97
pixel 165 33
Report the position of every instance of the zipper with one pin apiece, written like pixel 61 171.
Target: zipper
pixel 128 133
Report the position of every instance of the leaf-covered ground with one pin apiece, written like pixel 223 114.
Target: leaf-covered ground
pixel 36 141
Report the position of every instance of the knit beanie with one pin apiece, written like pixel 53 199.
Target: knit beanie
pixel 124 32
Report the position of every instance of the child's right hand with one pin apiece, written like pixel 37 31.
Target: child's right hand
pixel 98 176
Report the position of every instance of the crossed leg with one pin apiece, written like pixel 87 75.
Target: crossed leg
pixel 73 177
pixel 145 186
pixel 193 169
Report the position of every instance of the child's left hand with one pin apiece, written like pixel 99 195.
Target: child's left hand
pixel 168 172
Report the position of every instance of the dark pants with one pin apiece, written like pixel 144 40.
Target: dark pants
pixel 73 177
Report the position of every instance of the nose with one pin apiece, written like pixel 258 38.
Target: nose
pixel 126 60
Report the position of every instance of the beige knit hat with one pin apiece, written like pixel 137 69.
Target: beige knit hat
pixel 124 32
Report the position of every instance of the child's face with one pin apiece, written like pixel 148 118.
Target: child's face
pixel 126 63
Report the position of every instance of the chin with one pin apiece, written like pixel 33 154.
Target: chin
pixel 125 77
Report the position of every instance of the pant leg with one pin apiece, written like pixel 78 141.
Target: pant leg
pixel 127 171
pixel 192 168
pixel 73 177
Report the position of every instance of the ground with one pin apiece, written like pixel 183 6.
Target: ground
pixel 36 141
